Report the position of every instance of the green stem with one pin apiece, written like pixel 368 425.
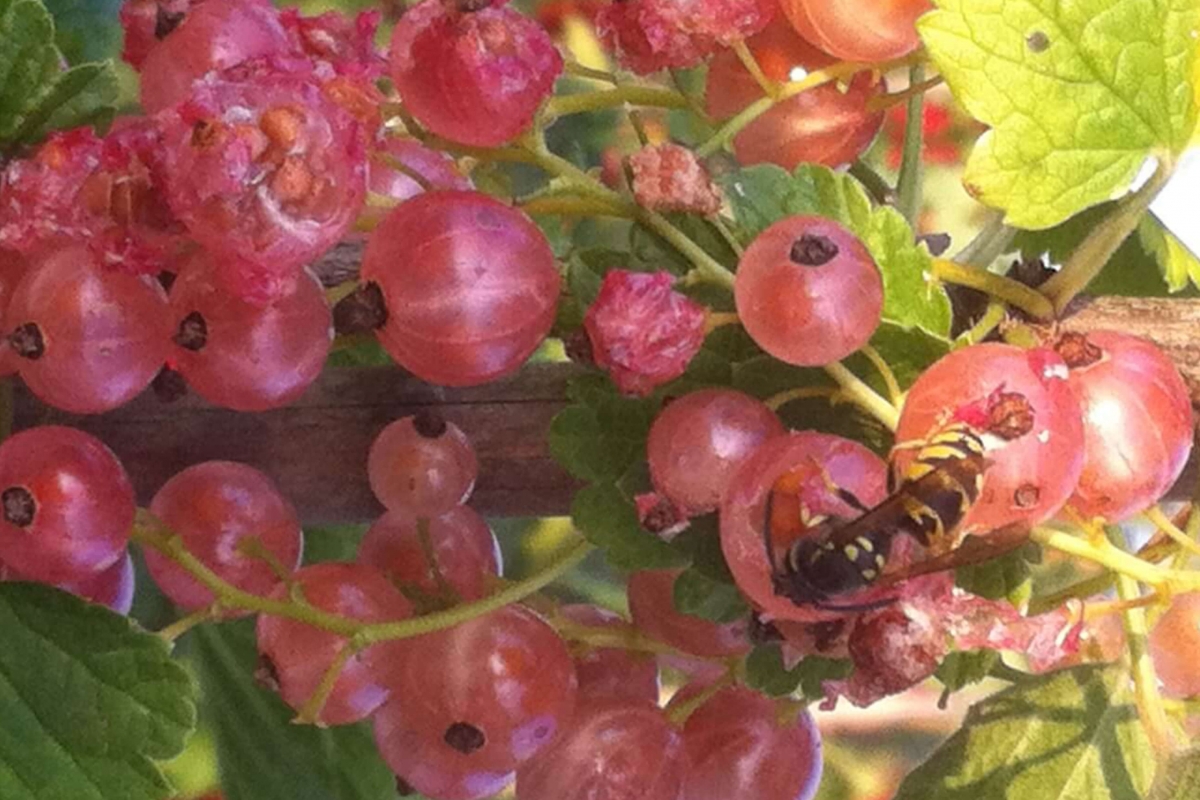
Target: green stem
pixel 624 638
pixel 908 187
pixel 315 704
pixel 184 624
pixel 706 268
pixel 989 244
pixel 1164 524
pixel 600 99
pixel 895 393
pixel 1145 683
pixel 445 590
pixel 1016 294
pixel 881 192
pixel 991 319
pixel 1115 559
pixel 575 206
pixel 680 713
pixel 391 162
pixel 862 395
pixel 580 71
pixel 1086 261
pixel 769 87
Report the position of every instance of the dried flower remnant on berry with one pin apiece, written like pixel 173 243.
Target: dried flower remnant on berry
pixel 660 516
pixel 643 332
pixel 337 43
pixel 668 177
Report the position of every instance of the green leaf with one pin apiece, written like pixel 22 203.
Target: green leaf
pixel 87 30
pixel 82 95
pixel 1077 95
pixel 603 433
pixel 700 596
pixel 1179 778
pixel 964 668
pixel 609 520
pixel 763 194
pixel 701 542
pixel 815 670
pixel 88 701
pixel 998 578
pixel 262 755
pixel 1068 735
pixel 1180 266
pixel 766 673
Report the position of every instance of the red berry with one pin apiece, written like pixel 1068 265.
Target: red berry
pixel 859 30
pixel 652 606
pixel 436 168
pixel 242 355
pixel 643 332
pixel 828 125
pixel 1137 422
pixel 470 286
pixel 472 702
pixel 699 440
pixel 473 73
pixel 799 467
pixel 422 465
pixel 112 587
pixel 611 673
pixel 87 340
pixel 1175 646
pixel 615 751
pixel 738 745
pixel 893 649
pixel 12 269
pixel 1031 474
pixel 233 519
pixel 464 547
pixel 808 291
pixel 337 42
pixel 668 177
pixel 297 656
pixel 67 505
pixel 146 23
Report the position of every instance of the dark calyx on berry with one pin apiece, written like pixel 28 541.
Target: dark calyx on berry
pixel 429 424
pixel 578 347
pixel 19 506
pixel 169 385
pixel 813 251
pixel 362 311
pixel 266 675
pixel 403 788
pixel 1077 351
pixel 204 133
pixel 1026 495
pixel 27 342
pixel 192 333
pixel 465 737
pixel 1010 415
pixel 166 22
pixel 662 517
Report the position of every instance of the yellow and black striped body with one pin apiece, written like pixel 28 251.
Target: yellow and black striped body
pixel 931 497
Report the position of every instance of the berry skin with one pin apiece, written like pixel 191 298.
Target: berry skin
pixel 668 177
pixel 652 606
pixel 893 649
pixel 738 746
pixel 797 465
pixel 808 291
pixel 146 23
pixel 1033 468
pixel 615 751
pixel 67 505
pixel 1175 646
pixel 699 440
pixel 465 549
pixel 422 465
pixel 112 587
pixel 828 125
pixel 470 286
pixel 858 30
pixel 242 355
pixel 436 168
pixel 265 171
pixel 611 674
pixel 297 656
pixel 473 702
pixel 87 340
pixel 473 73
pixel 12 269
pixel 1137 422
pixel 643 332
pixel 232 518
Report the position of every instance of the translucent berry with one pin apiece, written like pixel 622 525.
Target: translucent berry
pixel 858 30
pixel 112 587
pixel 466 556
pixel 668 177
pixel 422 465
pixel 67 505
pixel 12 269
pixel 643 332
pixel 474 73
pixel 296 656
pixel 214 36
pixel 652 606
pixel 435 168
pixel 470 286
pixel 87 340
pixel 146 23
pixel 828 125
pixel 611 673
pixel 40 196
pixel 803 469
pixel 739 745
pixel 808 291
pixel 616 751
pixel 243 355
pixel 265 171
pixel 1175 646
pixel 1023 403
pixel 1137 422
pixel 649 35
pixel 232 518
pixel 699 440
pixel 473 702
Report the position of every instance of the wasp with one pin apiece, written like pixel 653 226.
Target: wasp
pixel 927 502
